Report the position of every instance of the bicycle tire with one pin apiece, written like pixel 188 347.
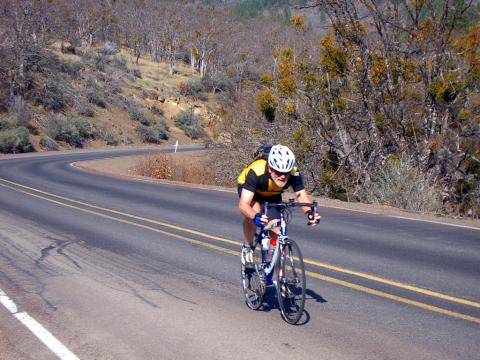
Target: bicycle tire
pixel 253 282
pixel 290 284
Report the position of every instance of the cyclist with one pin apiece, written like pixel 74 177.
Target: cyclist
pixel 264 180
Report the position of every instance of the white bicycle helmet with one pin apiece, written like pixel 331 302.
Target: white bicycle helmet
pixel 281 158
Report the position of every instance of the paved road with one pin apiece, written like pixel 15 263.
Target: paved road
pixel 119 269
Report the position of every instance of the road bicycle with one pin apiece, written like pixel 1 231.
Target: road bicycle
pixel 277 263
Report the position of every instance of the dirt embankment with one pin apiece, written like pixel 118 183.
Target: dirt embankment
pixel 124 167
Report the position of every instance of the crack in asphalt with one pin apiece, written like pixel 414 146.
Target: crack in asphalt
pixel 60 245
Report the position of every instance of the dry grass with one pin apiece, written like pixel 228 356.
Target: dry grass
pixel 178 167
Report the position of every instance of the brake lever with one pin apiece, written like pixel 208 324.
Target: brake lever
pixel 313 209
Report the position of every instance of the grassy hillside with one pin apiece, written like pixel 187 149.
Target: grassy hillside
pixel 103 98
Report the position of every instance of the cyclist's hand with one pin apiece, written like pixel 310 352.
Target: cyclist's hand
pixel 313 219
pixel 260 220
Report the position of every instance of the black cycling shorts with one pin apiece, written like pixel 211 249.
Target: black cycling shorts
pixel 272 212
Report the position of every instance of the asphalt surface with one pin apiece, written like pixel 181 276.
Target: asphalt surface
pixel 122 269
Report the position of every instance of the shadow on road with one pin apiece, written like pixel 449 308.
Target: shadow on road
pixel 310 294
pixel 270 303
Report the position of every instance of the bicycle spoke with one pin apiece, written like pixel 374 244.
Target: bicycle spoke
pixel 291 283
pixel 253 283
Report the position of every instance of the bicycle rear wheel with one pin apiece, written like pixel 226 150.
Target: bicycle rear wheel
pixel 253 281
pixel 290 284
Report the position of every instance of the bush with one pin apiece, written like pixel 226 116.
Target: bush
pixel 110 138
pixel 137 73
pixel 191 123
pixel 8 121
pixel 120 63
pixel 95 97
pixel 52 97
pixel 114 87
pixel 138 115
pixel 217 82
pixel 202 97
pixel 71 68
pixel 100 62
pixel 109 48
pixel 190 88
pixel 15 140
pixel 156 111
pixel 154 134
pixel 399 183
pixel 84 108
pixel 49 144
pixel 73 131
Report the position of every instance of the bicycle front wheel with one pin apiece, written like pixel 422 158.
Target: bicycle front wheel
pixel 253 281
pixel 290 284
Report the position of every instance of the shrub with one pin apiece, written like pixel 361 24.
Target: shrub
pixel 71 68
pixel 157 167
pixel 72 130
pixel 161 129
pixel 100 62
pixel 95 97
pixel 399 183
pixel 202 97
pixel 15 140
pixel 191 123
pixel 85 109
pixel 7 121
pixel 86 128
pixel 190 88
pixel 109 48
pixel 49 144
pixel 137 73
pixel 120 62
pixel 110 138
pixel 138 115
pixel 217 82
pixel 184 89
pixel 267 104
pixel 154 134
pixel 52 97
pixel 114 87
pixel 156 111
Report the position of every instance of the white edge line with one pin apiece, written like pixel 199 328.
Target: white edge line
pixel 37 329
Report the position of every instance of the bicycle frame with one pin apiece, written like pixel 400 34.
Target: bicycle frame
pixel 282 237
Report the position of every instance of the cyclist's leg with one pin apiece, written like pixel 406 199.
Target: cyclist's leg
pixel 249 227
pixel 273 214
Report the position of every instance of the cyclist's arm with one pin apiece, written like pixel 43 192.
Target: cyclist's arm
pixel 245 204
pixel 303 197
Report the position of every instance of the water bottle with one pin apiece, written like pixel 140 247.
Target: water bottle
pixel 272 244
pixel 265 243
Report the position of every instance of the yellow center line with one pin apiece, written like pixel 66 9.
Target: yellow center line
pixel 394 283
pixel 180 237
pixel 393 297
pixel 236 253
pixel 194 232
pixel 229 241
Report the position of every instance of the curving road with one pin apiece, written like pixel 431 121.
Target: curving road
pixel 123 269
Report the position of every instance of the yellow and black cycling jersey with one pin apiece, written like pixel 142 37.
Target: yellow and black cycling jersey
pixel 256 178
